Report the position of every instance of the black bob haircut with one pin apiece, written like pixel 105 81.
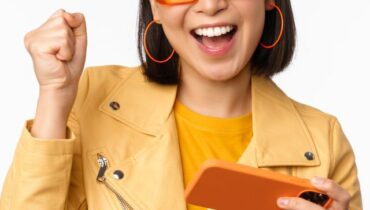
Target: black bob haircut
pixel 264 62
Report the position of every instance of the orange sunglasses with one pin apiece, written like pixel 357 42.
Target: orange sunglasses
pixel 175 2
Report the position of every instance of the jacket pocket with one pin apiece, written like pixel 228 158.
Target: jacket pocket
pixel 107 182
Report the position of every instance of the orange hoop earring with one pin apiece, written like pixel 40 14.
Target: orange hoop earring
pixel 281 28
pixel 146 47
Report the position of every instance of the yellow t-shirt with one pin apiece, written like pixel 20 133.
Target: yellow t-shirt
pixel 203 137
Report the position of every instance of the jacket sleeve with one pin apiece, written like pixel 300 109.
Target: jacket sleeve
pixel 343 168
pixel 46 174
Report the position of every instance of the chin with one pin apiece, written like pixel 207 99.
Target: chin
pixel 220 75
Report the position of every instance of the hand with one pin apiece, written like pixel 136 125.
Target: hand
pixel 340 196
pixel 58 51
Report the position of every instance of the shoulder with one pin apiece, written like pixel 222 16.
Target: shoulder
pixel 103 78
pixel 313 114
pixel 328 135
pixel 110 72
pixel 321 124
pixel 98 81
pixel 276 102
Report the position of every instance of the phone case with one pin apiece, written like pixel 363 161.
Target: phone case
pixel 223 185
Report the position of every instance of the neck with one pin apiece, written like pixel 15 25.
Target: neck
pixel 223 99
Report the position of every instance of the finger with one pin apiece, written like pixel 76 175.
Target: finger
pixel 51 42
pixel 336 192
pixel 291 203
pixel 57 13
pixel 80 35
pixel 66 50
pixel 56 26
pixel 77 22
pixel 60 39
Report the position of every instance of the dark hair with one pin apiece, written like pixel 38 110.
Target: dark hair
pixel 264 62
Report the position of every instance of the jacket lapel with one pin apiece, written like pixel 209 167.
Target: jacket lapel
pixel 144 105
pixel 280 136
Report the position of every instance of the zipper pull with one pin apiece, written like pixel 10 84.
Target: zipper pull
pixel 103 165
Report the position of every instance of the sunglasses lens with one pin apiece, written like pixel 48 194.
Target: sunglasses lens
pixel 173 2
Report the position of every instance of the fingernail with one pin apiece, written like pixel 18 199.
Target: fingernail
pixel 283 202
pixel 317 181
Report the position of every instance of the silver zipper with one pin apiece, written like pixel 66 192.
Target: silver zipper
pixel 103 166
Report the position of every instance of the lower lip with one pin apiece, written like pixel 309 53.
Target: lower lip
pixel 217 51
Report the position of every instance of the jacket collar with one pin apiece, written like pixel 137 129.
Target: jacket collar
pixel 280 136
pixel 279 132
pixel 144 105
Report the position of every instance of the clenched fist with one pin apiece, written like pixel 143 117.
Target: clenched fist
pixel 58 51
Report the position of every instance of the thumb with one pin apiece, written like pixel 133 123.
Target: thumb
pixel 77 22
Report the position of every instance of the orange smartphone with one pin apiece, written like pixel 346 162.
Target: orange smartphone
pixel 223 185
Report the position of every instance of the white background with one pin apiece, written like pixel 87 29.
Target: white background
pixel 330 70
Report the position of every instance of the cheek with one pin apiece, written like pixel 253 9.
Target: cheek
pixel 253 15
pixel 172 19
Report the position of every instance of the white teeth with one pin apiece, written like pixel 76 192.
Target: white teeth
pixel 223 30
pixel 204 31
pixel 210 32
pixel 216 31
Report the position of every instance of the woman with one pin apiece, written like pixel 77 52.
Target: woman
pixel 132 138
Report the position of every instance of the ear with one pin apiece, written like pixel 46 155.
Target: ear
pixel 154 7
pixel 268 4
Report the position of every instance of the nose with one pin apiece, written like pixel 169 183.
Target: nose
pixel 211 7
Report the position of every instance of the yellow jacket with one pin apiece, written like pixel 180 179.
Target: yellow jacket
pixel 120 122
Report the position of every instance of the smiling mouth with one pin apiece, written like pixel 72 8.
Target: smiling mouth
pixel 214 37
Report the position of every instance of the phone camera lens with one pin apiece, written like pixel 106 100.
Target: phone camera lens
pixel 315 197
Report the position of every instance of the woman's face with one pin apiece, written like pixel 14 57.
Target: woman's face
pixel 214 38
